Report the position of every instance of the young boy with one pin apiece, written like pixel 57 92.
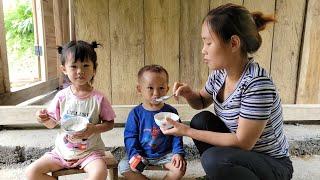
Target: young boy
pixel 143 138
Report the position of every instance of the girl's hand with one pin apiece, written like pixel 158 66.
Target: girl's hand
pixel 181 89
pixel 42 116
pixel 91 129
pixel 178 162
pixel 179 129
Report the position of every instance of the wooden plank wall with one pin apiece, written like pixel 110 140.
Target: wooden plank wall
pixel 192 69
pixel 92 23
pixel 127 48
pixel 216 3
pixel 161 25
pixel 61 24
pixel 61 21
pixel 167 32
pixel 263 55
pixel 286 47
pixel 309 78
pixel 50 39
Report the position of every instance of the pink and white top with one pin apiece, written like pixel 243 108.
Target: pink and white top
pixel 94 107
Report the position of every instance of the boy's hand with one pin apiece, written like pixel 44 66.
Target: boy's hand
pixel 138 163
pixel 179 162
pixel 91 129
pixel 42 115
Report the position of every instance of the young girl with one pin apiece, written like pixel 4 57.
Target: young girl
pixel 84 149
pixel 244 139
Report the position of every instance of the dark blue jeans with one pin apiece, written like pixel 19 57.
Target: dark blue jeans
pixel 227 163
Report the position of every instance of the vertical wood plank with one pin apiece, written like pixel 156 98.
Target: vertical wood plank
pixel 71 7
pixel 127 49
pixel 4 71
pixel 263 55
pixel 92 23
pixel 309 77
pixel 286 47
pixel 162 35
pixel 41 40
pixel 50 39
pixel 36 35
pixel 192 69
pixel 61 23
pixel 216 3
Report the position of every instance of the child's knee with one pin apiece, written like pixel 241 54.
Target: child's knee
pixel 99 171
pixel 30 171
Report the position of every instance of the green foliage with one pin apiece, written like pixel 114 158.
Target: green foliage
pixel 19 29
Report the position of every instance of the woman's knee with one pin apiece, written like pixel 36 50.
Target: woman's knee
pixel 200 120
pixel 213 159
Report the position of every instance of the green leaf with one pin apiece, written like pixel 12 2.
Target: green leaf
pixel 19 28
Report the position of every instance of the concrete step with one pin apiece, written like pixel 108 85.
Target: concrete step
pixel 19 147
pixel 303 139
pixel 43 138
pixel 306 167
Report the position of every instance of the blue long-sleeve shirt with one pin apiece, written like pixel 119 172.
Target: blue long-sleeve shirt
pixel 143 136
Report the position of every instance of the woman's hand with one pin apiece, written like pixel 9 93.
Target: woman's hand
pixel 179 129
pixel 91 129
pixel 181 89
pixel 179 162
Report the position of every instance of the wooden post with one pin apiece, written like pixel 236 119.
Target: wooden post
pixel 309 81
pixel 71 21
pixel 4 70
pixel 62 29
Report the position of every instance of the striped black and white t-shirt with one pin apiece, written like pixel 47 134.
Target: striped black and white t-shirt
pixel 254 98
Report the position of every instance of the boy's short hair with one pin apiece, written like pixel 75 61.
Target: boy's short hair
pixel 152 68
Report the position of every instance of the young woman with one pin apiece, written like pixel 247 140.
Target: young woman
pixel 244 139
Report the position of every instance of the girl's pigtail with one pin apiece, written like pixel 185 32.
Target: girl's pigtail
pixel 59 49
pixel 94 44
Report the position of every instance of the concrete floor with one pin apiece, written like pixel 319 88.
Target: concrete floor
pixel 17 173
pixel 305 168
